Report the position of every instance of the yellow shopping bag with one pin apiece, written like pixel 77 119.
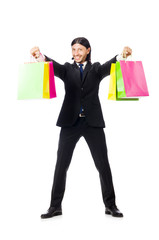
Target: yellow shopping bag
pixel 112 83
pixel 46 87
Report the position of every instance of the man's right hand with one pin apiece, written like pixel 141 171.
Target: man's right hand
pixel 35 52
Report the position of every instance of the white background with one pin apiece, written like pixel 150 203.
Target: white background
pixel 29 136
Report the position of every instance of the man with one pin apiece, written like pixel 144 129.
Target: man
pixel 81 115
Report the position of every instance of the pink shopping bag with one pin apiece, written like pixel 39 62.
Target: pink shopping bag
pixel 134 78
pixel 52 81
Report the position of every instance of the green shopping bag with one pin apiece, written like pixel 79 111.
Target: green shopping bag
pixel 30 82
pixel 119 82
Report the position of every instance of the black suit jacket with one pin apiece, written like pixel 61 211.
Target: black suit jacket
pixel 81 93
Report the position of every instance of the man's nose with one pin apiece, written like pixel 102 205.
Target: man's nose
pixel 76 53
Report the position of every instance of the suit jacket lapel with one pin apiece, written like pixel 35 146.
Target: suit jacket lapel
pixel 75 65
pixel 86 70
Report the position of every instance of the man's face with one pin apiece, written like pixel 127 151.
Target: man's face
pixel 79 53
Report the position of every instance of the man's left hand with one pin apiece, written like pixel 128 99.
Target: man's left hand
pixel 126 52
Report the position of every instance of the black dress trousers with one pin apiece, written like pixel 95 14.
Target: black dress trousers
pixel 95 139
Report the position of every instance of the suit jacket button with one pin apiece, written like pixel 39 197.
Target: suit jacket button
pixel 82 89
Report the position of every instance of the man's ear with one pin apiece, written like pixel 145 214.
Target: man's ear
pixel 88 50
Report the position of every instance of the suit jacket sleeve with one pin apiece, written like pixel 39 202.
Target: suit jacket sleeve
pixel 59 69
pixel 104 69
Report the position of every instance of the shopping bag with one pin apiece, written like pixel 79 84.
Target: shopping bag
pixel 134 78
pixel 46 91
pixel 112 83
pixel 116 84
pixel 36 81
pixel 119 82
pixel 52 81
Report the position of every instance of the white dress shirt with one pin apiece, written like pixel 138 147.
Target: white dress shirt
pixel 84 64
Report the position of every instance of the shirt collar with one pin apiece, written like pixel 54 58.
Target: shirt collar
pixel 84 64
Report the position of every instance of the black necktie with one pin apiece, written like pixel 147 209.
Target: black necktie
pixel 81 70
pixel 81 73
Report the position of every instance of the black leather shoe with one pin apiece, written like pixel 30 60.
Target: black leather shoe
pixel 114 211
pixel 52 212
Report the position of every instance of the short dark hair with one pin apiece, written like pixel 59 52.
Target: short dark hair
pixel 83 41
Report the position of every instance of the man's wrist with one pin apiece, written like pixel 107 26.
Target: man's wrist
pixel 41 58
pixel 120 57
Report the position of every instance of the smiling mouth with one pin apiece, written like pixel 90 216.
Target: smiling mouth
pixel 77 57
